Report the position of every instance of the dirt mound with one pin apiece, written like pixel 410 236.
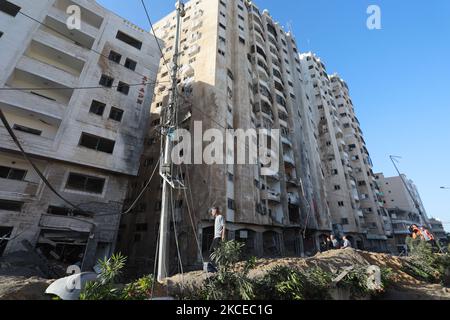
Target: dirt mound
pixel 333 261
pixel 22 288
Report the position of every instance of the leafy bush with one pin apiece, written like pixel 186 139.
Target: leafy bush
pixel 387 277
pixel 423 264
pixel 141 289
pixel 107 288
pixel 356 281
pixel 230 282
pixel 284 283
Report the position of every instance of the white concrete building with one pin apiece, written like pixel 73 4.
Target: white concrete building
pixel 87 141
pixel 401 206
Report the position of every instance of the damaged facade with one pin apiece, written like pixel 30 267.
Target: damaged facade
pixel 239 70
pixel 352 192
pixel 87 142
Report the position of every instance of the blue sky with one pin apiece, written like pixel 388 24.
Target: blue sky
pixel 398 76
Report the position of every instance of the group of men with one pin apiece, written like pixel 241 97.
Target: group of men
pixel 332 243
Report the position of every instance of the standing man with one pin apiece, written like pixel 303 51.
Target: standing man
pixel 347 243
pixel 219 229
pixel 334 242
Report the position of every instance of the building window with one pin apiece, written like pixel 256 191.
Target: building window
pixel 341 204
pixel 344 221
pixel 129 40
pixel 8 205
pixel 114 56
pixel 123 88
pixel 35 132
pixel 97 108
pixel 1 34
pixel 231 204
pixel 84 183
pixel 9 8
pixel 337 187
pixel 12 173
pixel 62 211
pixel 116 114
pixel 106 81
pixel 130 64
pixel 97 143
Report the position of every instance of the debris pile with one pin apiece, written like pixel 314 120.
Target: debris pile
pixel 404 286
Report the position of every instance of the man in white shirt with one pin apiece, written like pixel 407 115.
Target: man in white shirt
pixel 219 229
pixel 347 243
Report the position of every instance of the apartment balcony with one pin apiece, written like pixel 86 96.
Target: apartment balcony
pixel 32 102
pixel 47 71
pixel 37 145
pixel 65 223
pixel 61 16
pixel 271 195
pixel 87 8
pixel 284 123
pixel 286 141
pixel 54 40
pixel 18 190
pixel 273 175
pixel 84 37
pixel 288 159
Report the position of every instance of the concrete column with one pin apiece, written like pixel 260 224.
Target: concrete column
pixel 89 256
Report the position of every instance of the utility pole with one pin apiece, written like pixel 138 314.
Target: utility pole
pixel 169 125
pixel 407 188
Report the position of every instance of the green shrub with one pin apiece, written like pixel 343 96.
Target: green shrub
pixel 387 277
pixel 107 288
pixel 141 289
pixel 423 264
pixel 230 282
pixel 356 281
pixel 284 283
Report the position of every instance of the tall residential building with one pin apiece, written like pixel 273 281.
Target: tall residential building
pixel 350 185
pixel 77 100
pixel 401 198
pixel 240 70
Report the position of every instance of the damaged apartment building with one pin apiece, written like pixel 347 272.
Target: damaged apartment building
pixel 352 191
pixel 239 70
pixel 77 99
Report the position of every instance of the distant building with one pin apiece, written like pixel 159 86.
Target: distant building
pixel 437 228
pixel 87 142
pixel 404 205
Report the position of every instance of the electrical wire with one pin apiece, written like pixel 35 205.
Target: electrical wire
pixel 47 183
pixel 78 88
pixel 154 34
pixel 36 169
